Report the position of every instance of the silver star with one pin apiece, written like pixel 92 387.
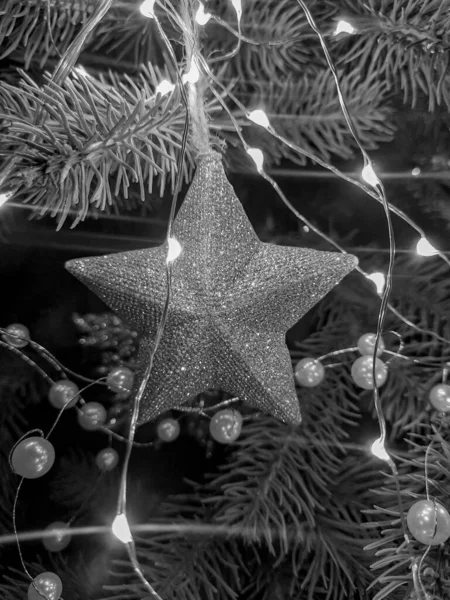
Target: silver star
pixel 233 299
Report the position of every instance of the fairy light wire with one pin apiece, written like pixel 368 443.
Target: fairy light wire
pixel 122 497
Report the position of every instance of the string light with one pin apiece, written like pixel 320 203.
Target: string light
pixel 147 9
pixel 121 529
pixel 424 248
pixel 4 198
pixel 174 249
pixel 237 4
pixel 344 27
pixel 165 87
pixel 257 156
pixel 260 118
pixel 201 17
pixel 379 450
pixel 193 75
pixel 379 280
pixel 416 171
pixel 80 70
pixel 369 175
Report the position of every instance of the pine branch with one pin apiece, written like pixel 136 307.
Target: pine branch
pixel 40 29
pixel 407 43
pixel 98 137
pixel 394 555
pixel 183 568
pixel 308 112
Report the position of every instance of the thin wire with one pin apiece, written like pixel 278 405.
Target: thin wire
pixel 28 360
pixel 301 217
pixel 122 498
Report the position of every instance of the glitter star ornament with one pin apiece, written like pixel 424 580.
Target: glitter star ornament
pixel 233 299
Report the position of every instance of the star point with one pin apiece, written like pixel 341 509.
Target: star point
pixel 232 301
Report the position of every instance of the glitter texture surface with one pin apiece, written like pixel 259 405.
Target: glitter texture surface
pixel 233 299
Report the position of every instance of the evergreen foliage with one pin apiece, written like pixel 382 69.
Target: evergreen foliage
pixel 284 513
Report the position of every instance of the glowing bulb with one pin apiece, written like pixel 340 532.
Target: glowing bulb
pixel 424 248
pixel 369 176
pixel 174 249
pixel 260 118
pixel 379 450
pixel 165 87
pixel 379 280
pixel 121 529
pixel 416 172
pixel 201 17
pixel 193 75
pixel 148 9
pixel 344 27
pixel 4 198
pixel 80 70
pixel 257 156
pixel 237 7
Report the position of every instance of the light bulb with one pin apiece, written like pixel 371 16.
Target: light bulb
pixel 238 8
pixel 165 87
pixel 369 175
pixel 379 280
pixel 174 249
pixel 416 171
pixel 259 117
pixel 257 156
pixel 121 529
pixel 424 248
pixel 193 75
pixel 201 17
pixel 4 198
pixel 344 27
pixel 379 450
pixel 147 8
pixel 80 70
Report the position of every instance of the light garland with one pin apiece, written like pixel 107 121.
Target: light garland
pixel 379 279
pixel 344 27
pixel 257 156
pixel 165 87
pixel 4 198
pixel 174 250
pixel 378 449
pixel 147 9
pixel 201 17
pixel 424 248
pixel 121 529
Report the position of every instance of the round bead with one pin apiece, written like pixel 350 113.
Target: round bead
pixel 309 372
pixel 63 394
pixel 362 372
pixel 92 415
pixel 429 522
pixel 19 337
pixel 120 380
pixel 107 459
pixel 440 397
pixel 226 425
pixel 366 344
pixel 59 540
pixel 49 586
pixel 33 457
pixel 168 430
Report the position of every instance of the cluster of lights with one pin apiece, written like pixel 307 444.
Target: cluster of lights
pixel 201 17
pixel 344 27
pixel 4 198
pixel 147 9
pixel 165 87
pixel 174 249
pixel 193 75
